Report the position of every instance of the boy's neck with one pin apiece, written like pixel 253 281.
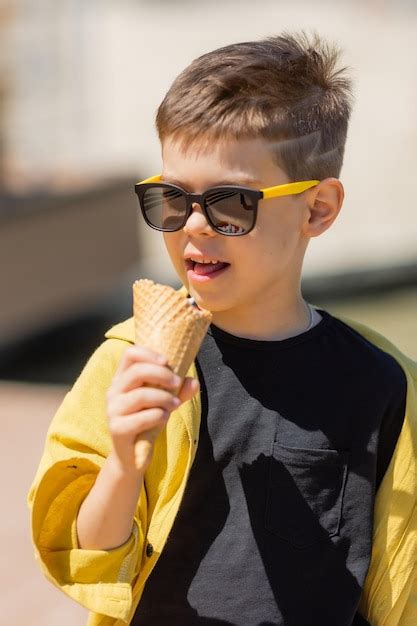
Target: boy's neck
pixel 287 319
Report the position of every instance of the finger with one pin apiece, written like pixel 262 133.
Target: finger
pixel 136 423
pixel 190 387
pixel 139 374
pixel 142 398
pixel 135 354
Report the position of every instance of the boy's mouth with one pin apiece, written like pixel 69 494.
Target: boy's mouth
pixel 201 269
pixel 204 268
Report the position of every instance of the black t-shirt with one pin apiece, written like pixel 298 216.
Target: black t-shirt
pixel 275 526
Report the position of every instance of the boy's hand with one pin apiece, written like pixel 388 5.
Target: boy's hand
pixel 140 399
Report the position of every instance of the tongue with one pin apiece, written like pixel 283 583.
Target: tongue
pixel 208 268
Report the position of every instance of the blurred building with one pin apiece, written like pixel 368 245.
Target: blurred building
pixel 79 86
pixel 68 218
pixel 54 132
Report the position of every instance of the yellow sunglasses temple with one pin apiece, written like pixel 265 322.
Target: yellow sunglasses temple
pixel 289 189
pixel 152 179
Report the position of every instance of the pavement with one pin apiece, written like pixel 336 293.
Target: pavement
pixel 27 598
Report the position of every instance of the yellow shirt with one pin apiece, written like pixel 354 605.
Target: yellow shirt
pixel 109 582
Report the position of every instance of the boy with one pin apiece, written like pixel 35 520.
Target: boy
pixel 267 493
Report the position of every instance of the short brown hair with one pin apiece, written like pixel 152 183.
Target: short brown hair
pixel 286 89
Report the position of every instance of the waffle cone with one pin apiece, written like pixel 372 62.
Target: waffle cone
pixel 167 323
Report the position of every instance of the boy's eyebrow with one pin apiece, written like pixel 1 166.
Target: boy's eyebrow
pixel 241 180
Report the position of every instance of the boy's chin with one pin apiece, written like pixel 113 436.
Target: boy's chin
pixel 211 302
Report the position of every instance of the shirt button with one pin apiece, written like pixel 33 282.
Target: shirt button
pixel 149 549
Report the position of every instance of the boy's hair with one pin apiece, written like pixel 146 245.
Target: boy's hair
pixel 286 89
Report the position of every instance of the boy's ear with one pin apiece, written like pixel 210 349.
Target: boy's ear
pixel 324 202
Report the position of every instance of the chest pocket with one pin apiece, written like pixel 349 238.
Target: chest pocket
pixel 305 494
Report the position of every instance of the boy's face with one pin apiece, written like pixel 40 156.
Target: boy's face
pixel 262 266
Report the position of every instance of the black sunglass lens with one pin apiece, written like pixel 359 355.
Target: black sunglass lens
pixel 164 207
pixel 231 211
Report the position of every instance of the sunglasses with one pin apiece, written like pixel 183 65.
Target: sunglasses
pixel 229 209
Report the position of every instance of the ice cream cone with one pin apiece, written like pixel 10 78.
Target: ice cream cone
pixel 166 322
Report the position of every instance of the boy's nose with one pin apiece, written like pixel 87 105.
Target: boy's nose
pixel 197 223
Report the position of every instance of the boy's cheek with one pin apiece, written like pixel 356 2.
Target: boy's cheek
pixel 175 252
pixel 172 245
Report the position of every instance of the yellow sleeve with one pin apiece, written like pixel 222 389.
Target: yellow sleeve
pixel 409 614
pixel 77 444
pixel 389 597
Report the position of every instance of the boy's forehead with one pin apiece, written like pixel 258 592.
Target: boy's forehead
pixel 243 161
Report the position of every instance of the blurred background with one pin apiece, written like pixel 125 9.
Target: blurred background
pixel 80 83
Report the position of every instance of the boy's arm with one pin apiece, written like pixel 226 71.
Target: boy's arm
pixel 105 518
pixel 77 445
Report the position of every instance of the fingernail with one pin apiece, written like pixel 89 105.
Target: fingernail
pixel 176 401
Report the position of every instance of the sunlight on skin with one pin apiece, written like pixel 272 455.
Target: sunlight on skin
pixel 258 295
